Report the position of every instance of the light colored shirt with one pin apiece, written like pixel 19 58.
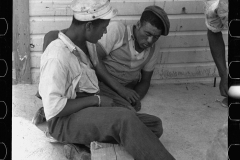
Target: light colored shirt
pixel 216 12
pixel 65 70
pixel 122 58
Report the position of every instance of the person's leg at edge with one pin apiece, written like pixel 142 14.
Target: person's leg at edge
pixel 105 124
pixel 217 48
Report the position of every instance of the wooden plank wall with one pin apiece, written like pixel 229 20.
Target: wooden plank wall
pixel 185 55
pixel 21 50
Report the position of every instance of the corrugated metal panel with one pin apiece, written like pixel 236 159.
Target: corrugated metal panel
pixel 185 55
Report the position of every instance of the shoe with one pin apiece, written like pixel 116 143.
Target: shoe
pixel 39 117
pixel 73 152
pixel 50 138
pixel 225 102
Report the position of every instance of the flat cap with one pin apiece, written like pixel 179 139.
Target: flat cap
pixel 162 15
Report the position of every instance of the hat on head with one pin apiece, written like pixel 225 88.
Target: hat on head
pixel 162 15
pixel 88 10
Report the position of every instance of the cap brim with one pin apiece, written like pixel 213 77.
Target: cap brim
pixel 113 12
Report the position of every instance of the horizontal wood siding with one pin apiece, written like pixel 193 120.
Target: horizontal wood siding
pixel 173 40
pixel 179 23
pixel 184 55
pixel 125 7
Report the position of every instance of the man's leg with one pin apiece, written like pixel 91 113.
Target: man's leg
pixel 217 48
pixel 152 122
pixel 216 13
pixel 110 124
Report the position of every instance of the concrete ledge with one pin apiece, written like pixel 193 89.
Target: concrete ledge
pixel 30 143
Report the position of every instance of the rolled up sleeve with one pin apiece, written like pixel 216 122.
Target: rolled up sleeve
pixel 52 87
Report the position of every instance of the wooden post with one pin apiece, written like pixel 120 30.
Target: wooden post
pixel 21 42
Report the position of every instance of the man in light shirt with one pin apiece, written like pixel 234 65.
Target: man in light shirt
pixel 128 55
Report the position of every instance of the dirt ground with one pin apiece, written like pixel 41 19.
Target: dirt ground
pixel 190 114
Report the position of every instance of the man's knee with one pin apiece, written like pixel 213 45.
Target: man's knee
pixel 125 115
pixel 159 128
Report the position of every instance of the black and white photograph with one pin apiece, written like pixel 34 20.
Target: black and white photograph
pixel 123 80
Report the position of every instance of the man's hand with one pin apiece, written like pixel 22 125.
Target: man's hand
pixel 129 94
pixel 137 105
pixel 106 101
pixel 223 87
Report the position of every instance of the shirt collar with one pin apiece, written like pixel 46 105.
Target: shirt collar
pixel 78 52
pixel 71 46
pixel 130 32
pixel 131 35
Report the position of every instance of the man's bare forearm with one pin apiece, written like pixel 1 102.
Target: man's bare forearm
pixel 106 78
pixel 142 87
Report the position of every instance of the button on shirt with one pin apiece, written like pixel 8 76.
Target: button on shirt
pixel 65 70
pixel 122 61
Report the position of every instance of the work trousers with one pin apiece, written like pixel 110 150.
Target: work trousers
pixel 137 133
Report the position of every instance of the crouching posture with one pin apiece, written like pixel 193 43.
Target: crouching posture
pixel 68 86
